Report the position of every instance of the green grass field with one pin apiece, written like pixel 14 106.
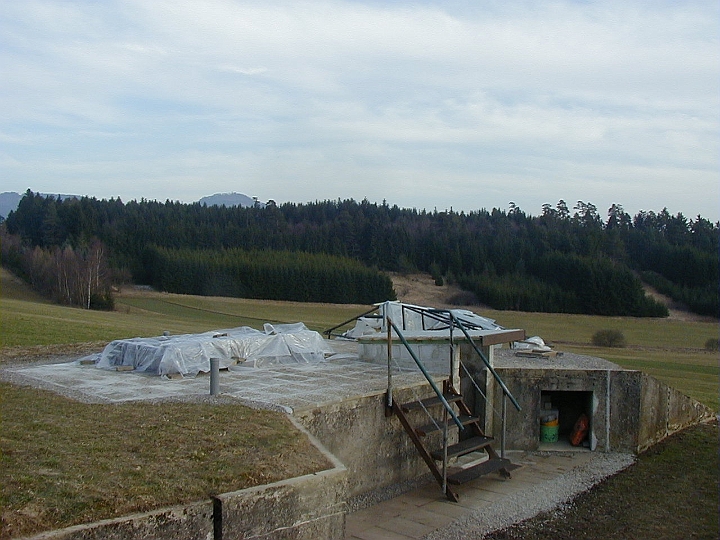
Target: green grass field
pixel 27 320
pixel 44 486
pixel 669 350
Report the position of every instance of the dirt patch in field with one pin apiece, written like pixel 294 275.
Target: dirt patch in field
pixel 676 310
pixel 420 289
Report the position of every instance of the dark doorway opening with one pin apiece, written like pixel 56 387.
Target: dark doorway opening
pixel 569 406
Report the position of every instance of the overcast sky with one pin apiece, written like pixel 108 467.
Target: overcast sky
pixel 467 104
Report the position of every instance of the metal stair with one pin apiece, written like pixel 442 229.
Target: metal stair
pixel 453 414
pixel 438 460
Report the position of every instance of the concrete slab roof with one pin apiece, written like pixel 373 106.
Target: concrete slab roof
pixel 289 388
pixel 508 358
pixel 284 387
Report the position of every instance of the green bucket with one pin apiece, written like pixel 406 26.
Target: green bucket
pixel 549 433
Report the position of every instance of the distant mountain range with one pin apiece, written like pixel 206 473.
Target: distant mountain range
pixel 230 199
pixel 9 200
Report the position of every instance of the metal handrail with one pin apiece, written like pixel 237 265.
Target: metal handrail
pixel 439 394
pixel 433 313
pixel 456 322
pixel 329 331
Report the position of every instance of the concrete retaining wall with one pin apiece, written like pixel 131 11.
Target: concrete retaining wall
pixel 375 449
pixel 624 402
pixel 664 411
pixel 308 507
pixel 192 521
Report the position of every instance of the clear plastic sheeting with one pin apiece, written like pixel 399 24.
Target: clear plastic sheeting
pixel 535 343
pixel 410 317
pixel 190 354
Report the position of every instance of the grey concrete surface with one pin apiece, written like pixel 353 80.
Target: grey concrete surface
pixel 340 402
pixel 289 388
pixel 544 481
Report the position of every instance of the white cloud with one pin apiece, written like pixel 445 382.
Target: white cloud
pixel 308 100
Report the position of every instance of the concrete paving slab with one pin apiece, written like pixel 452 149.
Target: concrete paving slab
pixel 432 519
pixel 287 387
pixel 472 499
pixel 422 496
pixel 408 527
pixel 444 507
pixel 538 473
pixel 378 533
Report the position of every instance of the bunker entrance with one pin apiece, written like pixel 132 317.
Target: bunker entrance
pixel 566 418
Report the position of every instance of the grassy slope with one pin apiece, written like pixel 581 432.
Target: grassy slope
pixel 113 460
pixel 26 320
pixel 670 350
pixel 38 498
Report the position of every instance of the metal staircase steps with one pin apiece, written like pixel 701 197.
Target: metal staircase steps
pixel 463 447
pixel 430 402
pixel 439 425
pixel 476 442
pixel 454 412
pixel 481 469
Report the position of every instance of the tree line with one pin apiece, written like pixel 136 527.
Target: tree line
pixel 270 275
pixel 73 276
pixel 564 260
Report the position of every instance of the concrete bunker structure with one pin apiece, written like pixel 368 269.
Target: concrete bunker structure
pixel 342 404
pixel 627 410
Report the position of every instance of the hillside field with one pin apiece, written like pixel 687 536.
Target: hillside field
pixel 672 350
pixel 102 466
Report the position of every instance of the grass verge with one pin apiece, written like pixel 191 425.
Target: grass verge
pixel 64 462
pixel 694 372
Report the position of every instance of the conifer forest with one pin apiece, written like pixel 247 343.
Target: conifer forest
pixel 566 259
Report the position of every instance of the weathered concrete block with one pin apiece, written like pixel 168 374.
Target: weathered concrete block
pixel 623 431
pixel 307 507
pixel 653 413
pixel 190 522
pixel 375 449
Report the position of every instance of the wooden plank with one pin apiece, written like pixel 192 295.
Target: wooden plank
pixel 430 402
pixel 501 336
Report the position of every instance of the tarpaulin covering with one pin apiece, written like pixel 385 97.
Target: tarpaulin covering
pixel 189 354
pixel 411 317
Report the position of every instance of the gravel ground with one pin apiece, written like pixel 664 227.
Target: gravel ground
pixel 539 498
